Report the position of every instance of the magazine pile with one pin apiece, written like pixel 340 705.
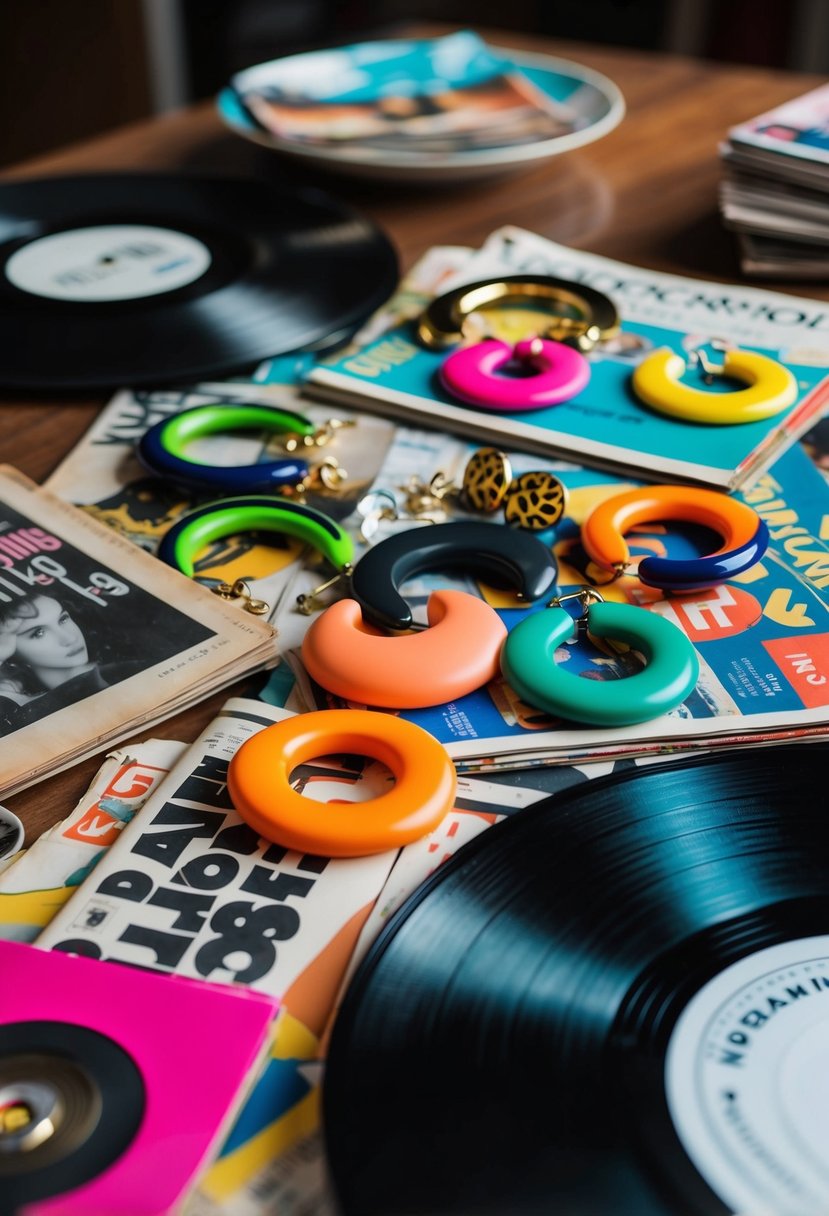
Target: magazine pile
pixel 604 425
pixel 185 888
pixel 775 188
pixel 98 639
pixel 763 639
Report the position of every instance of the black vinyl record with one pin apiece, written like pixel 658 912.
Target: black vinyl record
pixel 84 1100
pixel 616 1001
pixel 131 279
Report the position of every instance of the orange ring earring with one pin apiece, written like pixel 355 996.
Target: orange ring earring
pixel 745 535
pixel 259 783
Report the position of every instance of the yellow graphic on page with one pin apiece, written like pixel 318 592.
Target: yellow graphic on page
pixel 282 1109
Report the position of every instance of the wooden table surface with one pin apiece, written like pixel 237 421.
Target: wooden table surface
pixel 646 194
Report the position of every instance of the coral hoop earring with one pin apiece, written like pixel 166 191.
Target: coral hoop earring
pixel 455 655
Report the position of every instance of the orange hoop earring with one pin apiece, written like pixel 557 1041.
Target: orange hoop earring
pixel 424 790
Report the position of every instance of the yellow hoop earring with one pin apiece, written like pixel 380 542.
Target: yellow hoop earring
pixel 770 388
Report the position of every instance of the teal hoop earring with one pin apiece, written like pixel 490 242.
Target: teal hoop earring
pixel 529 667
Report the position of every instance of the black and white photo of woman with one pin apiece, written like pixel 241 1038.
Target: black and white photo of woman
pixel 47 660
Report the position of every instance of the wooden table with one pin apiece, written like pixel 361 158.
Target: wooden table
pixel 646 194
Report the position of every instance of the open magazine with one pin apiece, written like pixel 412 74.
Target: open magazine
pixel 605 425
pixel 98 639
pixel 103 475
pixel 762 639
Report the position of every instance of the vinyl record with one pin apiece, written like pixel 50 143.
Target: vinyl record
pixel 140 279
pixel 614 1002
pixel 116 1082
pixel 71 1101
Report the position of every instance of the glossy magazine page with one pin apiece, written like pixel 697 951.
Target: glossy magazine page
pixel 762 638
pixel 605 425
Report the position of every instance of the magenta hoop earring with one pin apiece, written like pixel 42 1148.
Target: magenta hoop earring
pixel 552 373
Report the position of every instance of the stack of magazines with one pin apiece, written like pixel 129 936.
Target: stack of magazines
pixel 775 188
pixel 758 639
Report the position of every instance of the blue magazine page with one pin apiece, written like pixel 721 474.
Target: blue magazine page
pixel 762 638
pixel 605 425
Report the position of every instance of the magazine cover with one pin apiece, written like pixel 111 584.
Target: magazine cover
pixel 86 620
pixel 437 95
pixel 798 129
pixel 605 425
pixel 762 638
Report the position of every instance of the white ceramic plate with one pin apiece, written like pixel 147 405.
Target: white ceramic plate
pixel 596 101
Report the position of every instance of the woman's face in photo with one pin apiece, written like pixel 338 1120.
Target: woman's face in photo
pixel 50 640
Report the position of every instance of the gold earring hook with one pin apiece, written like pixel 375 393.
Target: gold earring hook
pixel 241 591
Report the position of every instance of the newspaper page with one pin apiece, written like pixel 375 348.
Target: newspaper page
pixel 274 1159
pixel 98 638
pixel 189 889
pixel 46 875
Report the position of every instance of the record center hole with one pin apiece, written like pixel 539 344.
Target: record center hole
pixel 343 779
pixel 14 1116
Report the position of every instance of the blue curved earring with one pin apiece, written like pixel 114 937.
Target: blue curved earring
pixel 163 448
pixel 529 667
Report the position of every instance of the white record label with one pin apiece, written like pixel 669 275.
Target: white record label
pixel 745 1081
pixel 108 262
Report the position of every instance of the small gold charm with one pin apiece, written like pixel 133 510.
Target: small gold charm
pixel 240 591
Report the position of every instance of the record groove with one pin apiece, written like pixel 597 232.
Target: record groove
pixel 151 279
pixel 87 1070
pixel 517 1040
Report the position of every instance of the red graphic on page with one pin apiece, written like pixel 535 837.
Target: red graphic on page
pixel 804 661
pixel 125 793
pixel 708 615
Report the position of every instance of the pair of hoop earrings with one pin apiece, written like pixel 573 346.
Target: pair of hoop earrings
pixel 550 367
pixel 163 450
pixel 769 388
pixel 358 650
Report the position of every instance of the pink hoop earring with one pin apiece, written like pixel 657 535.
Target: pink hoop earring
pixel 553 373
